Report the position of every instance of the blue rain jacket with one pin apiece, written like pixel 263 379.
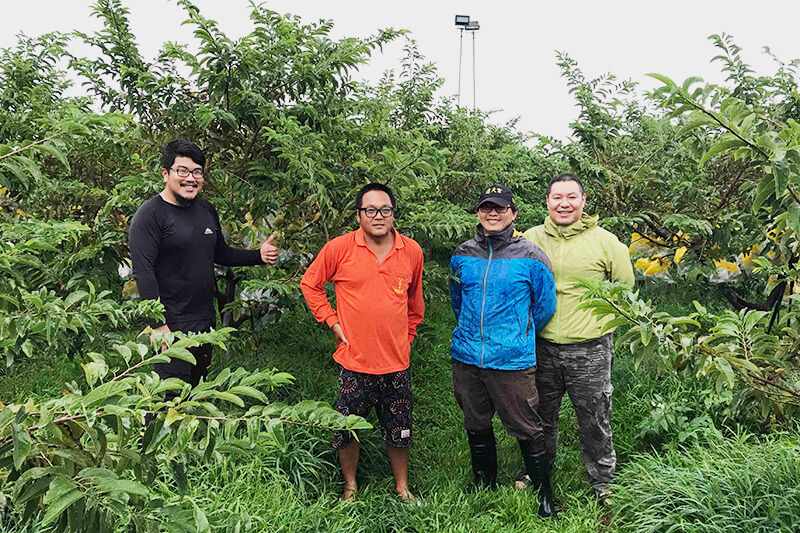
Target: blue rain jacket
pixel 502 293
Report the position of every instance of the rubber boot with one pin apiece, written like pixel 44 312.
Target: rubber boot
pixel 538 468
pixel 483 450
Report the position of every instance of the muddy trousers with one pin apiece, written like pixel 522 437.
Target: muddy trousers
pixel 583 371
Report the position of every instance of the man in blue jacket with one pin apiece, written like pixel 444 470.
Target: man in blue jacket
pixel 502 293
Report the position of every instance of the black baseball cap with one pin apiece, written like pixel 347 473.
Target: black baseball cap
pixel 497 194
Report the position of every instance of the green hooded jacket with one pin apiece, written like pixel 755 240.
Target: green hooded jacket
pixel 585 250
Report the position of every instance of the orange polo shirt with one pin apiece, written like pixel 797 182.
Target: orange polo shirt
pixel 378 305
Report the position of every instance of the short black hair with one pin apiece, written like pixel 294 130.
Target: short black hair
pixel 565 177
pixel 182 148
pixel 373 187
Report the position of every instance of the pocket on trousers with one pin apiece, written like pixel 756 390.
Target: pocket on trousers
pixel 608 392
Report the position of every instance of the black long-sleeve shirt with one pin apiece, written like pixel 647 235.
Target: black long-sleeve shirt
pixel 173 250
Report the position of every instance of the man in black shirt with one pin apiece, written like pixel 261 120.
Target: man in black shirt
pixel 175 239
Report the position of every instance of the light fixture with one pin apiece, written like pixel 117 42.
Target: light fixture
pixel 464 23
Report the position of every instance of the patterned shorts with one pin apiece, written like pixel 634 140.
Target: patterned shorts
pixel 391 396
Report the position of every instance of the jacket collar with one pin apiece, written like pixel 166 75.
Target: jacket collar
pixel 497 239
pixel 579 226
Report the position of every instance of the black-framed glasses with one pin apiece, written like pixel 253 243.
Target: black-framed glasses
pixel 371 212
pixel 184 172
pixel 499 209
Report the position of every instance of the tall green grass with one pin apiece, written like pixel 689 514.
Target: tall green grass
pixel 737 484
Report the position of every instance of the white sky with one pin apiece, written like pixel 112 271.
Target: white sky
pixel 515 47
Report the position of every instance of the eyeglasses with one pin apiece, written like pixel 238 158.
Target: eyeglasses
pixel 385 212
pixel 184 172
pixel 499 209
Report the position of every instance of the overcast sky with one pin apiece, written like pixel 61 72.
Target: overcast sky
pixel 515 47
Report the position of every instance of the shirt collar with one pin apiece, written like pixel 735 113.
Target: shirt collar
pixel 398 239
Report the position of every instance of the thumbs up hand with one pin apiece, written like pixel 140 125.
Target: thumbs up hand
pixel 269 252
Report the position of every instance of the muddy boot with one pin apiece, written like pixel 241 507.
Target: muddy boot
pixel 483 450
pixel 538 468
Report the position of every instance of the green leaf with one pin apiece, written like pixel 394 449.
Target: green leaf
pixel 56 152
pixel 244 390
pixel 353 422
pixel 179 474
pixel 726 371
pixel 105 391
pixel 614 323
pixel 124 351
pixel 55 509
pixel 722 146
pixel 793 217
pixel 74 298
pixel 172 416
pixel 28 476
pixel 646 332
pixel 781 174
pixel 274 429
pixel 696 120
pixel 200 520
pixel 22 444
pixel 219 395
pixel 107 484
pixel 177 352
pixel 764 191
pixel 665 80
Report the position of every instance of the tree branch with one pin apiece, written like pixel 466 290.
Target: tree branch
pixel 18 150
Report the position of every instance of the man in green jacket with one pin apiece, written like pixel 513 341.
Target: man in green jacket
pixel 573 353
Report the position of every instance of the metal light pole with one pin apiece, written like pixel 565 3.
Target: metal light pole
pixel 463 23
pixel 474 97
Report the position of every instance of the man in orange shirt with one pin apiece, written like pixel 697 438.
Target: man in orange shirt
pixel 378 282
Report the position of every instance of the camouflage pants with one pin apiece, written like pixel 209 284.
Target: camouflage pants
pixel 584 372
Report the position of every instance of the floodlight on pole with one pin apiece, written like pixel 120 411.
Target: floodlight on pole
pixel 463 22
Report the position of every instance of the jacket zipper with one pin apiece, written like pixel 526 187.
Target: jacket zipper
pixel 560 269
pixel 483 303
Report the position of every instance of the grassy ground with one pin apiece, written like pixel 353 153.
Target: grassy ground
pixel 298 489
pixel 440 472
pixel 440 468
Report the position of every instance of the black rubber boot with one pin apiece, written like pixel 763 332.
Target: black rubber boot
pixel 483 450
pixel 538 468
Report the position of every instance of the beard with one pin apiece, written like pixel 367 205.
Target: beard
pixel 182 200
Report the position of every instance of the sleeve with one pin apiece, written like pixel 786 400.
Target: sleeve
pixel 619 264
pixel 144 238
pixel 227 256
pixel 543 299
pixel 320 272
pixel 455 286
pixel 416 305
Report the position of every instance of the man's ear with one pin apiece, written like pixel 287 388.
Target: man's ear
pixel 165 173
